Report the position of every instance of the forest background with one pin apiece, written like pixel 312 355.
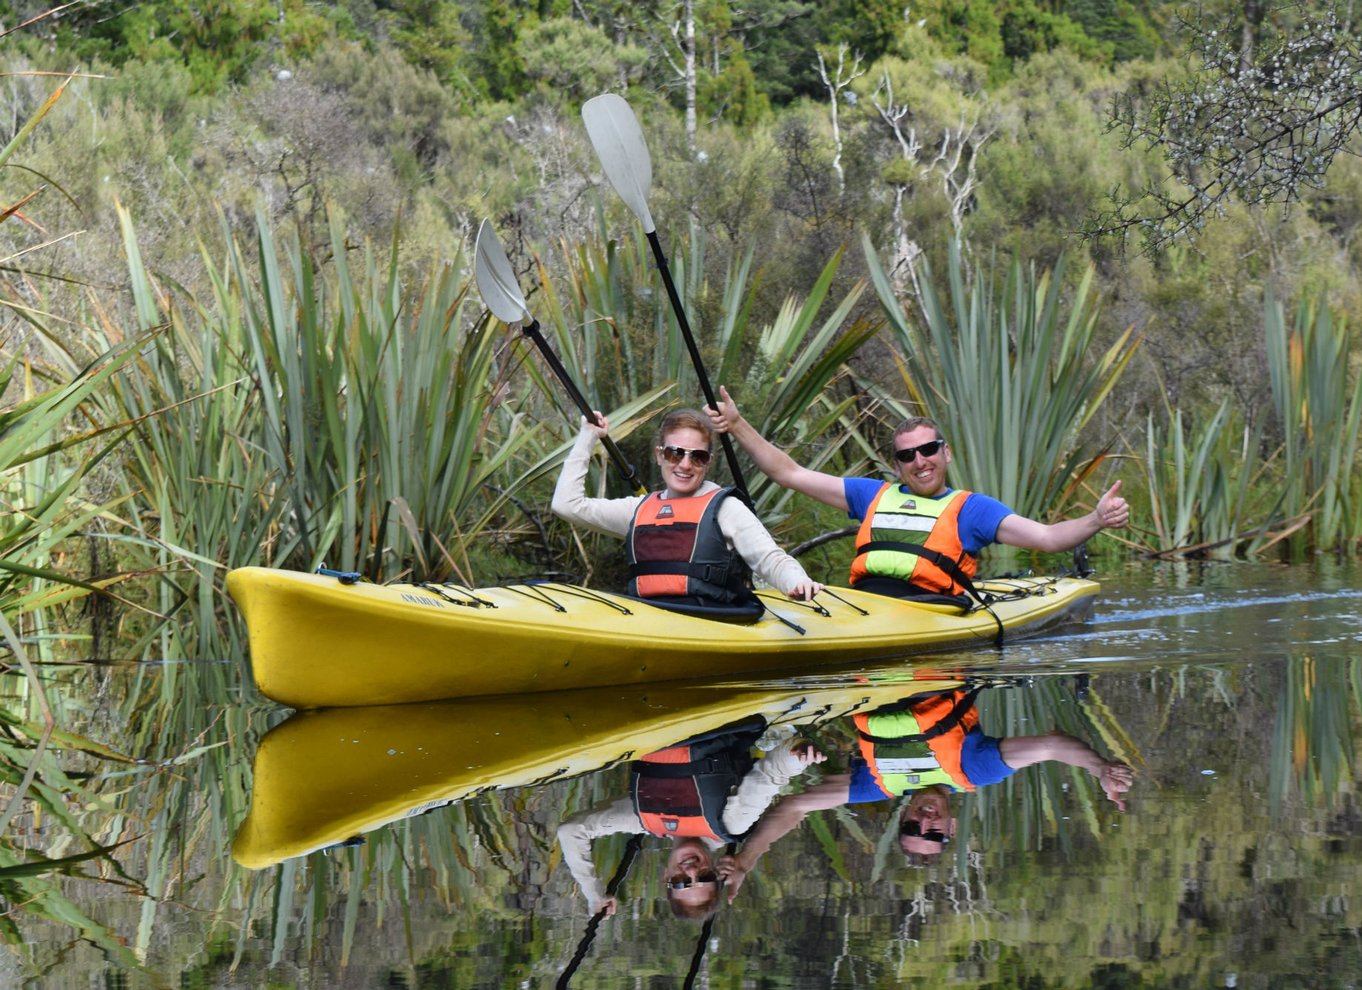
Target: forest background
pixel 239 325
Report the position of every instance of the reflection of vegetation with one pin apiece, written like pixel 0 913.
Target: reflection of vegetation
pixel 1191 868
pixel 1313 749
pixel 1046 802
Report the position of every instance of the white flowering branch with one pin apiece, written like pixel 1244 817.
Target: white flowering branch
pixel 1256 125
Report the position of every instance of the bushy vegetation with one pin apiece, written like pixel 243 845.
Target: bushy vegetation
pixel 237 323
pixel 282 197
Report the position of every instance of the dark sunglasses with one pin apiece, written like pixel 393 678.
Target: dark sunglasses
pixel 706 876
pixel 906 455
pixel 914 829
pixel 675 455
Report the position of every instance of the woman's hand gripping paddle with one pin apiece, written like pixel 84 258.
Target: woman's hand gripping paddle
pixel 501 293
pixel 618 140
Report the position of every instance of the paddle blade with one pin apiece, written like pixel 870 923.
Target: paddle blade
pixel 618 140
pixel 496 279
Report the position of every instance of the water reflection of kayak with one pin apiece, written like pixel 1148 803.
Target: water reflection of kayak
pixel 316 642
pixel 324 777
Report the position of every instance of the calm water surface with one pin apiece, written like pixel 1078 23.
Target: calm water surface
pixel 1232 690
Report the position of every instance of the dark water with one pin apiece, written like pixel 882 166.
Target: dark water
pixel 1231 690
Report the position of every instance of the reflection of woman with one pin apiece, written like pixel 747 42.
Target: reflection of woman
pixel 704 813
pixel 689 544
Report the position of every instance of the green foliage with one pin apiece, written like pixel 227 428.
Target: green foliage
pixel 734 95
pixel 1199 485
pixel 1319 415
pixel 218 42
pixel 571 62
pixel 497 61
pixel 1118 24
pixel 1011 374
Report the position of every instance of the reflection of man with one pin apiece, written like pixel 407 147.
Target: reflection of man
pixel 929 746
pixel 700 794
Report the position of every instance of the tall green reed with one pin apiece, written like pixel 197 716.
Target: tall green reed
pixel 617 316
pixel 334 416
pixel 1200 482
pixel 1010 370
pixel 1319 416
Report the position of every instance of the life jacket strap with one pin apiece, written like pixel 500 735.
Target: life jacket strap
pixel 947 564
pixel 719 763
pixel 711 573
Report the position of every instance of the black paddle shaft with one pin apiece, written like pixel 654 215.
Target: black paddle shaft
pixel 729 454
pixel 621 462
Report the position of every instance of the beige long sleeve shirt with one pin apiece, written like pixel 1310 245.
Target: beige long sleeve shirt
pixel 749 800
pixel 771 566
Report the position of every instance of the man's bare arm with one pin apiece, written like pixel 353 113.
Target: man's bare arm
pixel 773 462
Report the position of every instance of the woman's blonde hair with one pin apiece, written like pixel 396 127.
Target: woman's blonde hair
pixel 681 419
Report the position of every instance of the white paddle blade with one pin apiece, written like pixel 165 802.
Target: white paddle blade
pixel 618 140
pixel 496 279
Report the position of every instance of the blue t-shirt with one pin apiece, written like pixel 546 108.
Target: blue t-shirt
pixel 979 516
pixel 980 759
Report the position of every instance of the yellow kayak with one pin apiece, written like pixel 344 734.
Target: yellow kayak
pixel 323 777
pixel 316 642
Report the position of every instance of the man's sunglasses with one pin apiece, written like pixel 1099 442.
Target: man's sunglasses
pixel 906 455
pixel 914 829
pixel 675 455
pixel 683 883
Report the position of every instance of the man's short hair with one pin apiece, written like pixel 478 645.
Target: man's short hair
pixel 916 422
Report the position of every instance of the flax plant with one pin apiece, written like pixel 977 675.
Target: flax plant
pixel 1011 374
pixel 332 416
pixel 616 313
pixel 1199 486
pixel 42 465
pixel 1319 417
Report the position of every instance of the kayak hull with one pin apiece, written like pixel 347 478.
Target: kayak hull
pixel 318 643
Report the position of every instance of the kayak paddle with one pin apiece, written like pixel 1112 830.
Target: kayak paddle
pixel 501 293
pixel 615 134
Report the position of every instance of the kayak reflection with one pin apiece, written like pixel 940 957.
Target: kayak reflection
pixel 326 777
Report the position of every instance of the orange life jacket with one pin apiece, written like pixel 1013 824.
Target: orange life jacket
pixel 676 550
pixel 916 743
pixel 889 543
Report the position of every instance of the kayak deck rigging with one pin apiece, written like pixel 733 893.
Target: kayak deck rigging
pixel 324 641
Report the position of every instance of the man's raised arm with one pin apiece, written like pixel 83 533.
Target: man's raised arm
pixel 773 462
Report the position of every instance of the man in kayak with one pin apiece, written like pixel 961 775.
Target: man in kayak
pixel 688 544
pixel 918 538
pixel 700 795
pixel 930 746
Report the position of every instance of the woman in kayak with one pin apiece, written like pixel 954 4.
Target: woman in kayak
pixel 689 544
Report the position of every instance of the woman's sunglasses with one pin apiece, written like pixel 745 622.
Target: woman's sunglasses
pixel 682 883
pixel 906 455
pixel 675 455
